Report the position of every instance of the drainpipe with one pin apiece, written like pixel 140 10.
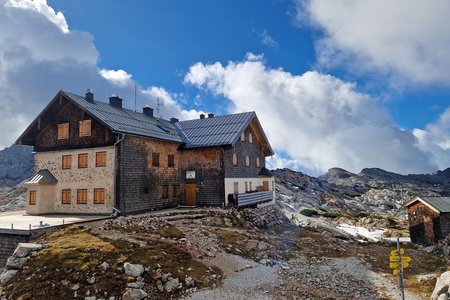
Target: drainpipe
pixel 120 138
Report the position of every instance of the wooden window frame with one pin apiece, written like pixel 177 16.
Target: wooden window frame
pixel 155 159
pixel 235 160
pixel 243 137
pixel 100 159
pixel 81 196
pixel 66 162
pixel 247 161
pixel 81 159
pixel 258 162
pixel 63 131
pixel 170 160
pixel 99 196
pixel 32 198
pixel 85 128
pixel 66 196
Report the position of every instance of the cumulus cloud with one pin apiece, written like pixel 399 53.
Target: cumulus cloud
pixel 268 40
pixel 406 38
pixel 39 55
pixel 318 120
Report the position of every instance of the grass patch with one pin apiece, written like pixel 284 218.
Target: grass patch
pixel 74 255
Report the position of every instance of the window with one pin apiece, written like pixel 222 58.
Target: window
pixel 258 162
pixel 165 192
pixel 82 196
pixel 66 196
pixel 85 128
pixel 247 161
pixel 63 131
pixel 170 160
pixel 100 159
pixel 155 159
pixel 82 160
pixel 243 137
pixel 236 187
pixel 250 138
pixel 99 196
pixel 66 162
pixel 32 198
pixel 235 159
pixel 176 191
pixel 246 186
pixel 250 184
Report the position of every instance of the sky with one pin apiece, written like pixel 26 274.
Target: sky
pixel 335 83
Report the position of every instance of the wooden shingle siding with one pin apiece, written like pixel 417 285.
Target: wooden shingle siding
pixel 139 184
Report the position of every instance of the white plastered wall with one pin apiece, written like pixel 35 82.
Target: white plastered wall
pixel 253 182
pixel 75 178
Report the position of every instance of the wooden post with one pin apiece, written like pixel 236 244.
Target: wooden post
pixel 400 275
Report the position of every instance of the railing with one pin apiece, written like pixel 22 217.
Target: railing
pixel 248 199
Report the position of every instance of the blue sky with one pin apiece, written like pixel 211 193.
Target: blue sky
pixel 335 83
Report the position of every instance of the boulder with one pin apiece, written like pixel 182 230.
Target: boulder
pixel 134 294
pixel 23 249
pixel 15 263
pixel 133 269
pixel 7 276
pixel 171 285
pixel 442 286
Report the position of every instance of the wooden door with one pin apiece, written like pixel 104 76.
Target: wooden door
pixel 190 191
pixel 429 231
pixel 265 185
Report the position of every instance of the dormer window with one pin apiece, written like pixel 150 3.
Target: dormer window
pixel 85 128
pixel 63 131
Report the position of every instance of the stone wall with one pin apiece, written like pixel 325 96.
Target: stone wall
pixel 8 243
pixel 77 178
pixel 207 163
pixel 140 185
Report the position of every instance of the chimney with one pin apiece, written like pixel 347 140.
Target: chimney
pixel 210 115
pixel 89 95
pixel 202 116
pixel 174 120
pixel 148 111
pixel 115 101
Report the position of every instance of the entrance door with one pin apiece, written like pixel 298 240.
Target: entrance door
pixel 190 190
pixel 429 231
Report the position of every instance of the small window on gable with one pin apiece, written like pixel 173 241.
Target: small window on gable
pixel 247 161
pixel 165 192
pixel 155 159
pixel 235 159
pixel 250 138
pixel 82 196
pixel 100 159
pixel 82 160
pixel 85 128
pixel 32 198
pixel 170 160
pixel 66 196
pixel 258 162
pixel 243 137
pixel 99 196
pixel 63 131
pixel 66 162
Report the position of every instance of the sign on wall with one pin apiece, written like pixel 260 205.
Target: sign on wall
pixel 190 174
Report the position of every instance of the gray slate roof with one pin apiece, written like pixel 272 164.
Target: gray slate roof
pixel 217 131
pixel 43 177
pixel 123 120
pixel 441 204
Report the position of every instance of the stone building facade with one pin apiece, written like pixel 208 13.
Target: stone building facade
pixel 95 157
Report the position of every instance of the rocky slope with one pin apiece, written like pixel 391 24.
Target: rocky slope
pixel 371 191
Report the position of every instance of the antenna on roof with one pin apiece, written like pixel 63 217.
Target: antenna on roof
pixel 159 104
pixel 135 97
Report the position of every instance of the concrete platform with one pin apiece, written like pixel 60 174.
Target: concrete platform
pixel 18 221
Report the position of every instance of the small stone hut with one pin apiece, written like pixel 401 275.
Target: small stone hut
pixel 429 219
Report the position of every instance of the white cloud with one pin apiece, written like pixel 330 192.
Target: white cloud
pixel 267 40
pixel 39 56
pixel 119 77
pixel 316 119
pixel 405 38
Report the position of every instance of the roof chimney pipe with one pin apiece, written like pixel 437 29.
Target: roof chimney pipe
pixel 210 115
pixel 148 111
pixel 115 101
pixel 89 95
pixel 202 116
pixel 174 120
